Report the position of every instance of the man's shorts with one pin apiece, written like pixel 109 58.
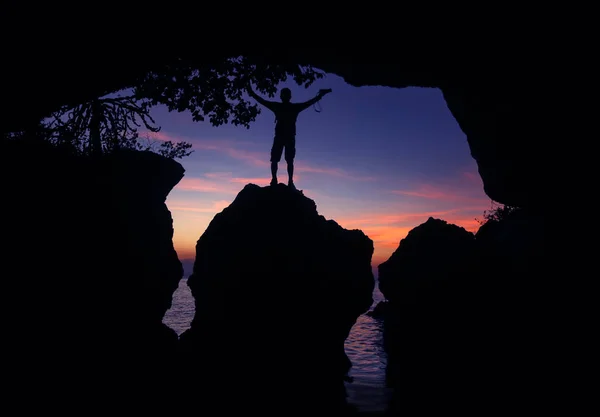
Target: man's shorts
pixel 290 149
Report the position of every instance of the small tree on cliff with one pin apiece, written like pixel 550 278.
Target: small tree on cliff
pixel 107 124
pixel 497 212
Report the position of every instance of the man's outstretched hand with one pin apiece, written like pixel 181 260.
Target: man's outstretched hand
pixel 324 91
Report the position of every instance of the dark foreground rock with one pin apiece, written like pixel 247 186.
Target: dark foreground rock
pixel 277 289
pixel 89 269
pixel 466 327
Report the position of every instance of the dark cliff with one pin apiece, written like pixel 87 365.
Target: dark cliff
pixel 89 272
pixel 277 288
pixel 467 323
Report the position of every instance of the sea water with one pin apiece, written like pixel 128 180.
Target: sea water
pixel 364 347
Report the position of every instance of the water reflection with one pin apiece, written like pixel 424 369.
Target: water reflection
pixel 364 347
pixel 179 317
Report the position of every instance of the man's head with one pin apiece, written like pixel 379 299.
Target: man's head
pixel 285 94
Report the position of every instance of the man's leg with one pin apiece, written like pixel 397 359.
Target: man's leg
pixel 273 173
pixel 290 169
pixel 290 154
pixel 276 151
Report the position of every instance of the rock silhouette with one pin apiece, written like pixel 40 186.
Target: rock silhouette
pixel 277 289
pixel 84 317
pixel 459 325
pixel 432 255
pixel 424 331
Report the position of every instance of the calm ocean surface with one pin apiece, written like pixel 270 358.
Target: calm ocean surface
pixel 363 347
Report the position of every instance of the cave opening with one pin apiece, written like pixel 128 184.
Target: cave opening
pixel 378 159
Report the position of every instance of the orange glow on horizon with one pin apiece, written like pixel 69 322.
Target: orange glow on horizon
pixel 385 237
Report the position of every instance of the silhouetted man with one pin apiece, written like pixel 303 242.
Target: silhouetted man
pixel 286 114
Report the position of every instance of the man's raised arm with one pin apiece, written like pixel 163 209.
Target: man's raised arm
pixel 319 96
pixel 268 104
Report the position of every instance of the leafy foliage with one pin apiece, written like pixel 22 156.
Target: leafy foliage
pixel 167 149
pixel 104 125
pixel 497 212
pixel 217 91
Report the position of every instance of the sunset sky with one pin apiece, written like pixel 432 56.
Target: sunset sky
pixel 377 159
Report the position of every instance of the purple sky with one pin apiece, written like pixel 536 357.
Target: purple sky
pixel 377 159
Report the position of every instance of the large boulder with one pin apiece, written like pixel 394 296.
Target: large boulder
pixel 432 257
pixel 428 281
pixel 277 289
pixel 469 322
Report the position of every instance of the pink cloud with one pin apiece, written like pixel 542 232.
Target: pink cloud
pixel 221 204
pixel 391 218
pixel 218 175
pixel 198 184
pixel 463 195
pixel 257 181
pixel 226 146
pixel 194 206
pixel 254 158
pixel 161 136
pixel 221 182
pixel 472 177
pixel 257 159
pixel 376 221
pixel 191 209
pixel 336 172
